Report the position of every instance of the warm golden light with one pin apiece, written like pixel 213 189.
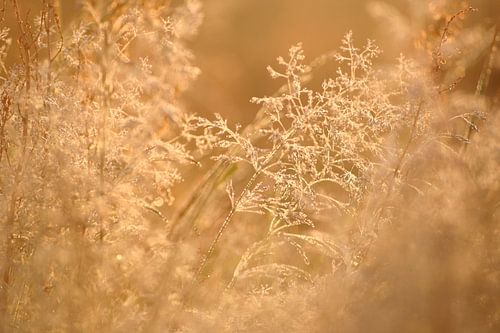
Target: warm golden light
pixel 163 169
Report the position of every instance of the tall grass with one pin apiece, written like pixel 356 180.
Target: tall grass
pixel 350 204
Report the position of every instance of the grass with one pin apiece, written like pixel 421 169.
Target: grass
pixel 349 204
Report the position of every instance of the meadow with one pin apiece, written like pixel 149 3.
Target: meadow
pixel 164 169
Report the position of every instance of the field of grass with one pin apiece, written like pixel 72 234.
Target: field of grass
pixel 156 175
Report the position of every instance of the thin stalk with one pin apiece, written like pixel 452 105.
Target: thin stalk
pixel 482 85
pixel 410 139
pixel 265 165
pixel 103 125
pixel 226 222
